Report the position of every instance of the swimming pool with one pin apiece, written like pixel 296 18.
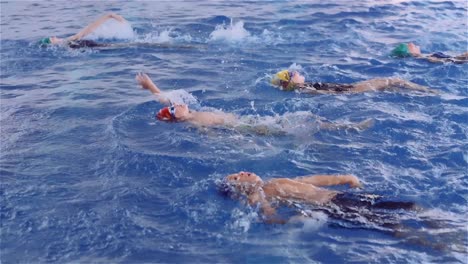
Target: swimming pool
pixel 88 174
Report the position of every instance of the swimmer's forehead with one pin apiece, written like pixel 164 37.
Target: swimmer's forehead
pixel 240 175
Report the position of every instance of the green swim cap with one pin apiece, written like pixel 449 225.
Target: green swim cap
pixel 44 41
pixel 401 51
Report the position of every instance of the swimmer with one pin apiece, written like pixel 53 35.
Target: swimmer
pixel 267 195
pixel 410 49
pixel 182 113
pixel 290 80
pixel 77 41
pixel 368 211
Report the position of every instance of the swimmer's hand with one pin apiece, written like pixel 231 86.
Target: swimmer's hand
pixel 143 79
pixel 353 181
pixel 116 17
pixel 363 125
pixel 146 83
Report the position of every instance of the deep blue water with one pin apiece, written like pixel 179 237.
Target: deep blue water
pixel 88 174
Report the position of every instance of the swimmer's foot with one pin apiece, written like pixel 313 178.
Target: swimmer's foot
pixel 417 87
pixel 359 126
pixel 363 125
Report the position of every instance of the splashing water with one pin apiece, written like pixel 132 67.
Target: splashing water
pixel 180 97
pixel 112 29
pixel 234 32
pixel 84 158
pixel 293 67
pixel 297 123
pixel 165 36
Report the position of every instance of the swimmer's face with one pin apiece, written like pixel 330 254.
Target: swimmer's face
pixel 55 40
pixel 414 49
pixel 181 111
pixel 243 178
pixel 297 78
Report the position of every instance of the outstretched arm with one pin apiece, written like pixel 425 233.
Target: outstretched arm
pixel 328 180
pixel 91 27
pixel 146 83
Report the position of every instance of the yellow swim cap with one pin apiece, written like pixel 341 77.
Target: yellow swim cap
pixel 283 79
pixel 283 75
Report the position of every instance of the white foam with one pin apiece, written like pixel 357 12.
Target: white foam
pixel 295 67
pixel 300 123
pixel 112 29
pixel 234 32
pixel 180 97
pixel 312 221
pixel 243 220
pixel 164 36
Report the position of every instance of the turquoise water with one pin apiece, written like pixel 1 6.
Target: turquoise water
pixel 88 174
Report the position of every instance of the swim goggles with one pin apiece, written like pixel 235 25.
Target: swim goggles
pixel 167 113
pixel 172 111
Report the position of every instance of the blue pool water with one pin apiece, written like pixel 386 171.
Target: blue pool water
pixel 88 174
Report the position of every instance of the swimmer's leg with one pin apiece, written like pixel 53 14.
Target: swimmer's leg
pixel 357 126
pixel 380 84
pixel 463 56
pixel 460 59
pixel 262 130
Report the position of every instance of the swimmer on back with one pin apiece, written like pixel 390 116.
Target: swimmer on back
pixel 268 195
pixel 290 80
pixel 182 112
pixel 306 195
pixel 77 41
pixel 411 50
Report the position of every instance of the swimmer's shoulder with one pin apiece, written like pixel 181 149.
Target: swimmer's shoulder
pixel 212 118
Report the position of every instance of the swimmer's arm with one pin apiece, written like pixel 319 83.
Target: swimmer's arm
pixel 146 83
pixel 457 60
pixel 312 91
pixel 433 59
pixel 91 27
pixel 268 212
pixel 329 180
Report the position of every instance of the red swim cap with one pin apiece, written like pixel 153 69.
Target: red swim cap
pixel 165 114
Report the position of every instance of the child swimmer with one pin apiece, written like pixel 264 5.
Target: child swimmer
pixel 268 195
pixel 290 80
pixel 182 113
pixel 77 41
pixel 411 50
